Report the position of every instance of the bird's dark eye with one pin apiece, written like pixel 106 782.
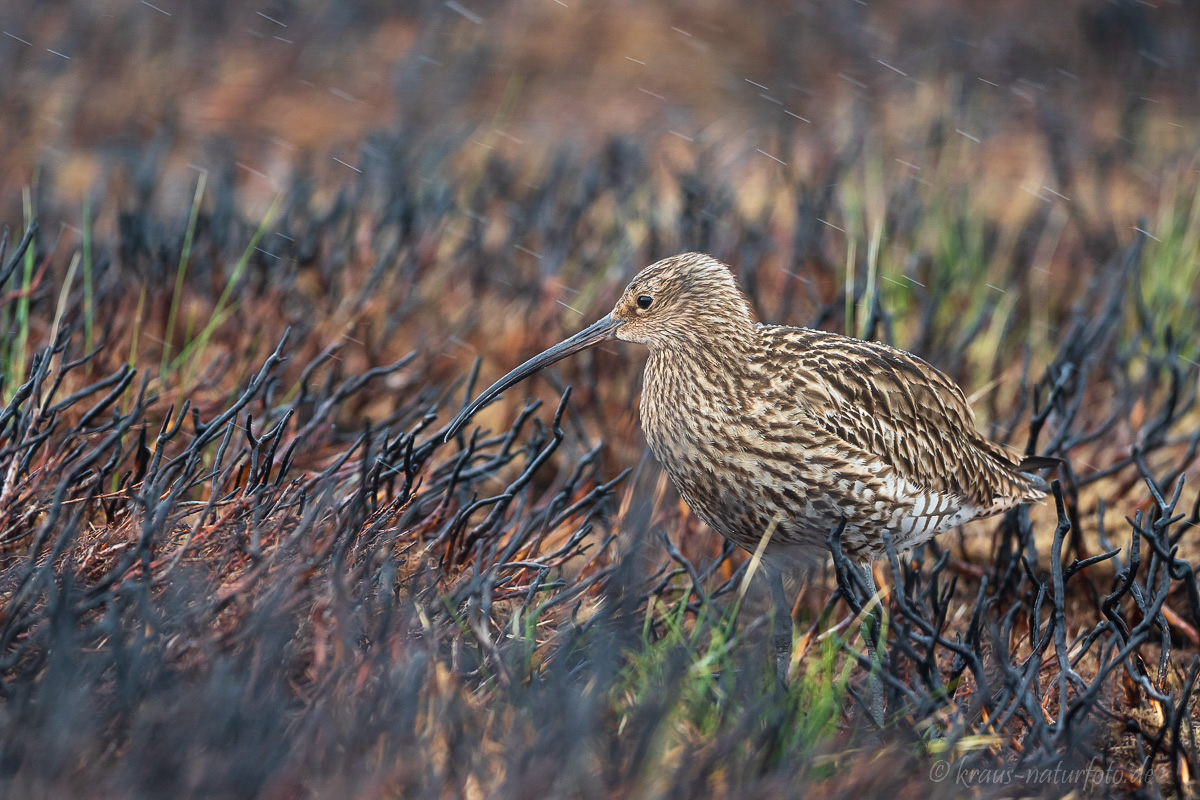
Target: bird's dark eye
pixel 644 301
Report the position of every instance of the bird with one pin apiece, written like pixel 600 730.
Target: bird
pixel 775 436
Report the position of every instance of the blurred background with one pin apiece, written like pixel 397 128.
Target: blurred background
pixel 127 101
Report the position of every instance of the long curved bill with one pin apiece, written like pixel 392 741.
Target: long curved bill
pixel 600 331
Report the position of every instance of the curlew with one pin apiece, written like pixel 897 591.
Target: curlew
pixel 775 435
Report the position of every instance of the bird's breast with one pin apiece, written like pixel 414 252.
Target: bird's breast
pixel 689 414
pixel 713 441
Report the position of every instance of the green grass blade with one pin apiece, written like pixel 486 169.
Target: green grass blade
pixel 89 321
pixel 220 311
pixel 181 271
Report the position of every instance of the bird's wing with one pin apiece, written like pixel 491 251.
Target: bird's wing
pixel 900 410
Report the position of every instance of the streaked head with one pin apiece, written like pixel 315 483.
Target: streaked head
pixel 680 300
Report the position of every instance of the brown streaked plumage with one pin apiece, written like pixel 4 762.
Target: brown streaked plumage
pixel 758 423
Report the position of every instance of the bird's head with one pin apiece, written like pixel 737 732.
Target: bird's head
pixel 683 301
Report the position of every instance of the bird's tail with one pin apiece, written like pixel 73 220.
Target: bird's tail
pixel 1037 484
pixel 1030 463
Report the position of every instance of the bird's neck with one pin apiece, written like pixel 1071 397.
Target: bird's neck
pixel 693 387
pixel 710 358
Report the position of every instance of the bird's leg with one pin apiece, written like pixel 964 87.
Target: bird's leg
pixel 781 635
pixel 870 632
